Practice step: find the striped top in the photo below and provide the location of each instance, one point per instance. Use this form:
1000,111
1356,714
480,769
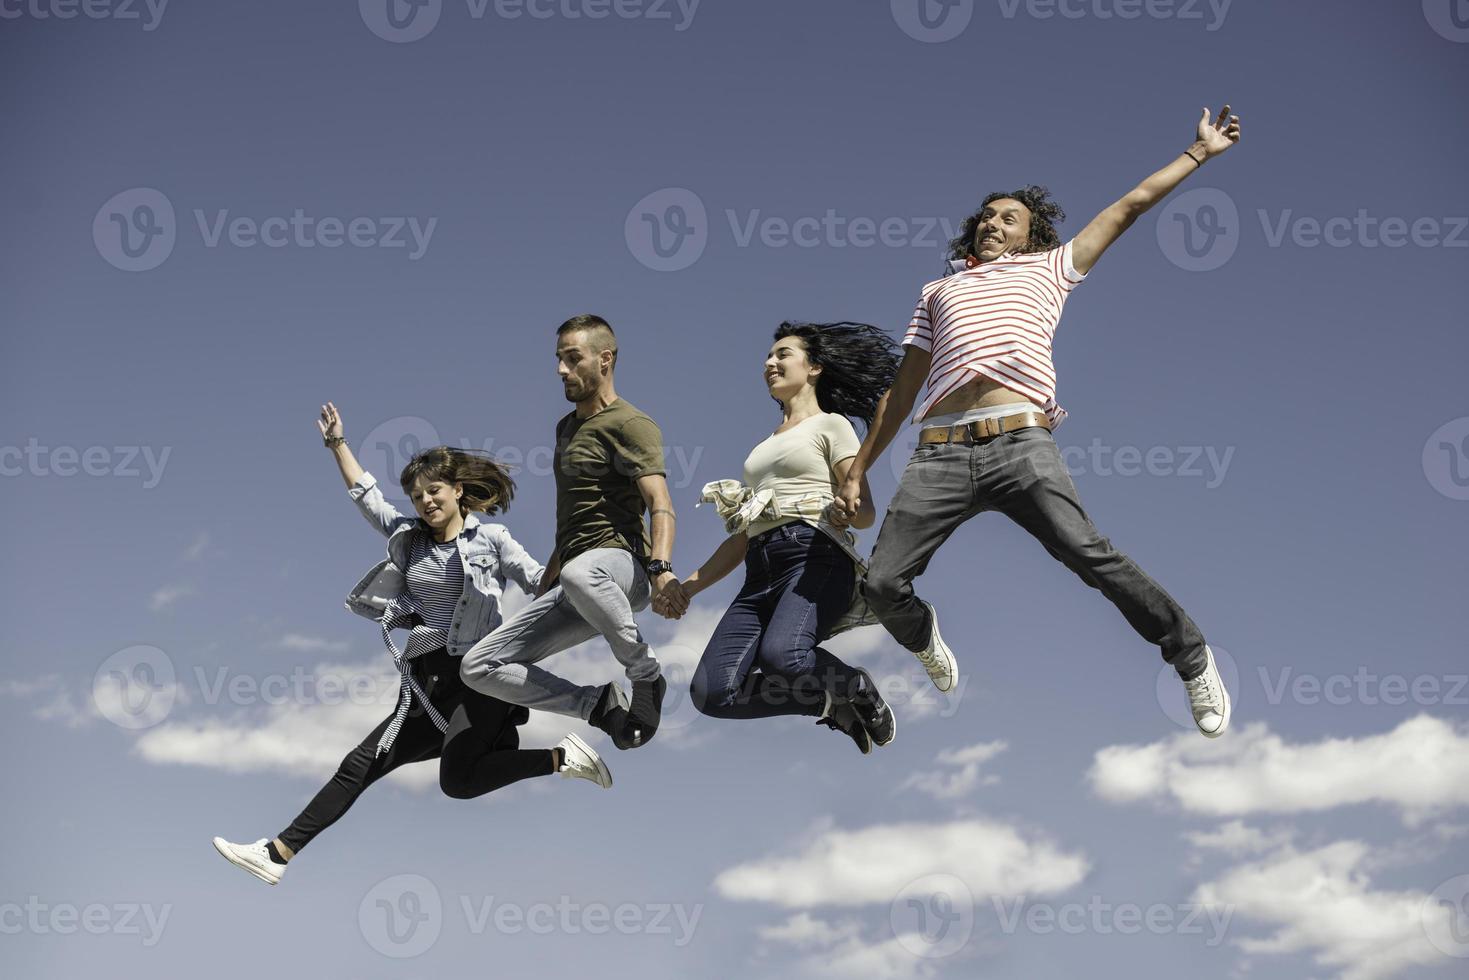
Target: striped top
995,320
435,584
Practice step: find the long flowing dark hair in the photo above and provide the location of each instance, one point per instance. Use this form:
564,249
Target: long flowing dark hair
1045,215
488,488
858,364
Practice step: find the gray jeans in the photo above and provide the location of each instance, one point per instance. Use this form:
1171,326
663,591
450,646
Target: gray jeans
598,592
1021,475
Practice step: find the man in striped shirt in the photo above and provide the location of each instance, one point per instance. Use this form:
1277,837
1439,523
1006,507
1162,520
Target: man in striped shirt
979,345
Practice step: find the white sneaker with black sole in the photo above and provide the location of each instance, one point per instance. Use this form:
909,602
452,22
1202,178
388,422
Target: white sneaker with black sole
254,858
581,761
1208,699
937,658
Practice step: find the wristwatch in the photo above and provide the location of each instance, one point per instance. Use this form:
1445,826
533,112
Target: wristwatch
657,567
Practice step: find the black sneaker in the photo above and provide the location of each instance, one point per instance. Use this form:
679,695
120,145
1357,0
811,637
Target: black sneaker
876,716
844,719
646,711
610,713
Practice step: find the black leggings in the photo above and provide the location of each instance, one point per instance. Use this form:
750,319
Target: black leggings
479,753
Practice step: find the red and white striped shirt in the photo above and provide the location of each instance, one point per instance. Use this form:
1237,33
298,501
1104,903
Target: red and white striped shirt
997,320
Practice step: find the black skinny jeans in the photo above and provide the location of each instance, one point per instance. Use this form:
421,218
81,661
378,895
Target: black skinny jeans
479,753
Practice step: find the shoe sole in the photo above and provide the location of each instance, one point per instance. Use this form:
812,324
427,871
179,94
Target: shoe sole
602,769
942,649
257,872
639,741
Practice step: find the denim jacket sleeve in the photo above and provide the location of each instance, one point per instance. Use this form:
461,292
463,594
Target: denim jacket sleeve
375,507
516,564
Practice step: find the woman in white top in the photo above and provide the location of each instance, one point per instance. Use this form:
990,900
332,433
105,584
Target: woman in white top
800,571
442,580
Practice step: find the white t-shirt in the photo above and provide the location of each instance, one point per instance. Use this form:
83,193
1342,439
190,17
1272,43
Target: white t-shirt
797,463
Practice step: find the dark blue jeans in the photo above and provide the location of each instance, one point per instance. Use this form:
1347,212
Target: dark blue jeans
797,584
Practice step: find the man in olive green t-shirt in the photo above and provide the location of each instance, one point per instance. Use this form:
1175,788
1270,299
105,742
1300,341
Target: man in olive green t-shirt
609,468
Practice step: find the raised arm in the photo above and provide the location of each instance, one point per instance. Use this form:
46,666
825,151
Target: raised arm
1213,139
892,410
361,485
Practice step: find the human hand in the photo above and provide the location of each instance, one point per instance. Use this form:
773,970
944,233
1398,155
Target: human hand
670,600
1219,135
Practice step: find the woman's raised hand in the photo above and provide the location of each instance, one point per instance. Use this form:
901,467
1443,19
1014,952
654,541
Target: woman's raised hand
330,422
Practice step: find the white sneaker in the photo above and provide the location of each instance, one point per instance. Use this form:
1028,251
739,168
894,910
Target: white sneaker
937,658
582,762
254,858
1208,699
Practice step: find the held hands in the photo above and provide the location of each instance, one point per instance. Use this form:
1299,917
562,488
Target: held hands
670,599
330,424
1219,135
843,509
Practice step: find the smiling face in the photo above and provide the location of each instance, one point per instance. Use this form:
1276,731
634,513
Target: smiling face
788,369
436,501
581,368
1004,228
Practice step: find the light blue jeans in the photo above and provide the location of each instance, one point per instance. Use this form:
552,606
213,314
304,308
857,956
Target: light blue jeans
598,592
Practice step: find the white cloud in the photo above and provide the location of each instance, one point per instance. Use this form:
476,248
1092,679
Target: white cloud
311,644
870,866
1236,839
1421,767
839,949
961,777
167,595
197,547
1321,902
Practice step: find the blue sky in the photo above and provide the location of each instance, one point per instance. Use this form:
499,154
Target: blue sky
1265,381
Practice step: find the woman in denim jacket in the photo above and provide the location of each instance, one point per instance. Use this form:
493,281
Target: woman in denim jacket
443,579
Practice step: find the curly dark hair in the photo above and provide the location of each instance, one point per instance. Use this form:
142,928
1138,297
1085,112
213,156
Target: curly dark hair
1045,215
487,485
858,364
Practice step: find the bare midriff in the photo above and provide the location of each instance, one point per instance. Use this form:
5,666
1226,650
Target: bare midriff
977,392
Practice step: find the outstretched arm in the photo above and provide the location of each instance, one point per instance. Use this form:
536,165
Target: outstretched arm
1213,139
365,494
892,410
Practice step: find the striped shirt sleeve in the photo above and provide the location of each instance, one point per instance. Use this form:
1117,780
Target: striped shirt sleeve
920,328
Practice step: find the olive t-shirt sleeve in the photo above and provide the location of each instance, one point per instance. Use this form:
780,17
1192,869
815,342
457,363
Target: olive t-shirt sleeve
639,443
